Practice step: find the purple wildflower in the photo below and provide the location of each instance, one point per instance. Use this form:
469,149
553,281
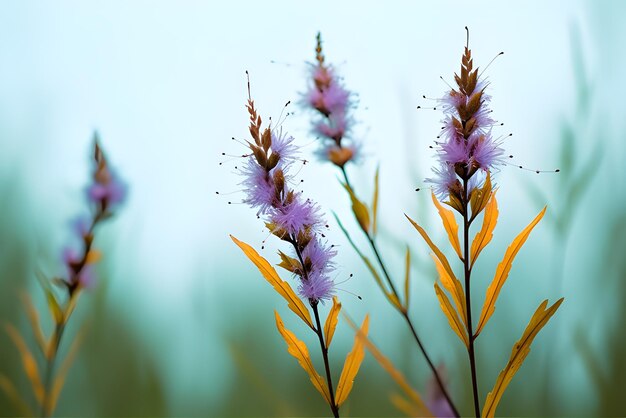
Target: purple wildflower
79,273
435,398
288,215
467,146
331,101
107,190
296,215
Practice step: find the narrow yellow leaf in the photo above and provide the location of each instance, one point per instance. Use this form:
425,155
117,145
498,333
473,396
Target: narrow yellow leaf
281,286
404,405
407,278
454,287
518,355
331,321
35,323
484,236
502,272
55,308
393,299
352,365
450,225
298,349
395,374
359,209
11,391
93,257
61,375
453,318
480,197
375,203
433,247
28,362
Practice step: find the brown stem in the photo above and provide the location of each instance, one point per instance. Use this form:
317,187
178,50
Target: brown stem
468,302
405,314
320,333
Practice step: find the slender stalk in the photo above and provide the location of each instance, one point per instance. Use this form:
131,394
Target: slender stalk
468,302
320,334
46,407
329,379
405,314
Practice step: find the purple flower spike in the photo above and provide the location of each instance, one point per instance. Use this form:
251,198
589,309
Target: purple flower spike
467,147
287,214
107,190
331,102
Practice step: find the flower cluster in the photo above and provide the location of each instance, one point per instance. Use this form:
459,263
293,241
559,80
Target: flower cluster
106,193
467,146
327,96
287,213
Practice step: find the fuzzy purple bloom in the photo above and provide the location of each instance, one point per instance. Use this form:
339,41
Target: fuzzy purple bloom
466,146
85,276
258,187
318,284
287,214
445,178
296,215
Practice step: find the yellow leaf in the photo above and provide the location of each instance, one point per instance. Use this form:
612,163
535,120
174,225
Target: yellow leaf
454,287
404,405
33,317
518,355
59,380
407,278
484,236
55,308
449,223
28,362
281,286
502,272
393,299
289,263
352,365
375,203
359,209
433,247
395,374
480,197
453,318
93,256
11,391
298,349
331,321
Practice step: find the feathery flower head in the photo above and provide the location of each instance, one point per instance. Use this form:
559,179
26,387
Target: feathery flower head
331,101
467,144
287,214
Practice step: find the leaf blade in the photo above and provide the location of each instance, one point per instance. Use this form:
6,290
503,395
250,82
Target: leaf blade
393,372
351,365
450,225
298,349
485,235
331,321
502,272
282,287
433,247
28,362
375,203
453,318
518,354
454,287
407,278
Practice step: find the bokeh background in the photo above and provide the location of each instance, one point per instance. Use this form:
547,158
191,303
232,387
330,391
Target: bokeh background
180,324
